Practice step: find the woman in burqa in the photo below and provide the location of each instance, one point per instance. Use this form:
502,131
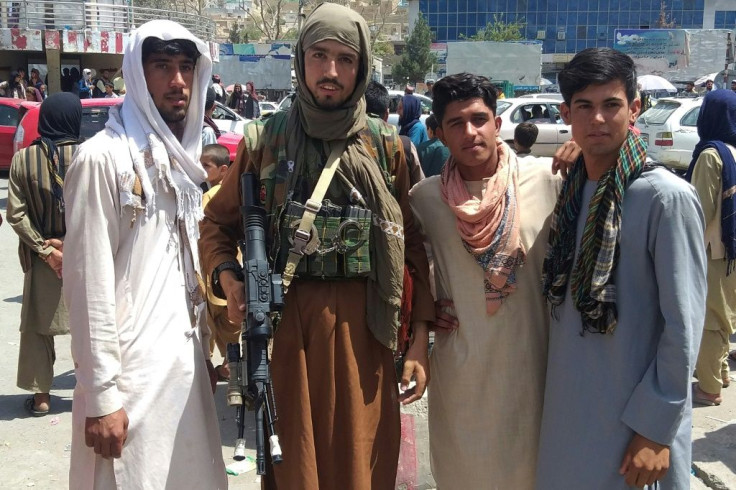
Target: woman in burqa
410,109
36,213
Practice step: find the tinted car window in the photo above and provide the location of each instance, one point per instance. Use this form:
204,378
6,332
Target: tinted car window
691,118
659,113
220,113
8,116
93,120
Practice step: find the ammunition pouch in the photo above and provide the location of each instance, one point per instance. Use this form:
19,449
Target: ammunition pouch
338,245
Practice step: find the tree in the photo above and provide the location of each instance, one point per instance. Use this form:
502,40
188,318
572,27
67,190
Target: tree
243,34
266,15
499,30
665,21
417,59
382,49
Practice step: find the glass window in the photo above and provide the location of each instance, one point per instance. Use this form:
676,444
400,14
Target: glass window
8,116
691,118
501,106
93,120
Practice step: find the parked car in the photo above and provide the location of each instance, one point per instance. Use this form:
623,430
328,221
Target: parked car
9,109
396,95
546,95
670,130
545,113
268,108
94,116
228,120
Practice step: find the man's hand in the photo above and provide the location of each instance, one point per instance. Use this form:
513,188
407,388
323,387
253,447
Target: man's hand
107,434
644,462
416,365
443,320
54,242
235,294
213,375
54,260
565,157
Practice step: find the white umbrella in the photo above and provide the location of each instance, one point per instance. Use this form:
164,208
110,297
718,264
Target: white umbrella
712,76
545,81
651,83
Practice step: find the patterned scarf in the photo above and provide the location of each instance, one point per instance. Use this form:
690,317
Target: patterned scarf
591,278
489,227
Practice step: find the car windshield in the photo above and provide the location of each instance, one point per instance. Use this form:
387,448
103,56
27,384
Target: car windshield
93,120
660,112
501,106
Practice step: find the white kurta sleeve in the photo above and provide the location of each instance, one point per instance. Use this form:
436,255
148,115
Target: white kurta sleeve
92,223
656,406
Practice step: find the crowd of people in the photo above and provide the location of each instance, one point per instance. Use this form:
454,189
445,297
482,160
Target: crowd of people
567,322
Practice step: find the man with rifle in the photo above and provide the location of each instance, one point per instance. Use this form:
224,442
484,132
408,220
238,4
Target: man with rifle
332,367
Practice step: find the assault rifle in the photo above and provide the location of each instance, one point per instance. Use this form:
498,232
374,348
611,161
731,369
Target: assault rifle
250,377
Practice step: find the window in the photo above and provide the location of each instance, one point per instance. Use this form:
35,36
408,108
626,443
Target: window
691,118
93,120
8,116
659,113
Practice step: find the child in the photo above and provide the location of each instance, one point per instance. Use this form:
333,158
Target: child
525,135
215,160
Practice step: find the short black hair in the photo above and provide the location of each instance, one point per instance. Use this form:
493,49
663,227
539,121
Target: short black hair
209,99
109,84
459,87
154,45
376,99
597,66
526,134
219,154
432,123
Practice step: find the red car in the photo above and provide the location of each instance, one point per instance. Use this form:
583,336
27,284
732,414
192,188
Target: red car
94,116
9,117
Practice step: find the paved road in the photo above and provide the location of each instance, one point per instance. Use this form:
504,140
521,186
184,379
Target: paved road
35,451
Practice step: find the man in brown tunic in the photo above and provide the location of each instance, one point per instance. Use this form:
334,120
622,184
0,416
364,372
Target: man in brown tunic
332,367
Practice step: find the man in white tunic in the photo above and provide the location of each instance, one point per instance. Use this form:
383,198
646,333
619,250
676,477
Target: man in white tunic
143,412
625,275
486,218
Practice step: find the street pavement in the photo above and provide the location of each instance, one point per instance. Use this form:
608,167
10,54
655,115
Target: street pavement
35,451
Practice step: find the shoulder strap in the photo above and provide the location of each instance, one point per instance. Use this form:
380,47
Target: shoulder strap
311,208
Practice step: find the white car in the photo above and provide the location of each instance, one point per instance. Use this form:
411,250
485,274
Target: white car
544,113
548,96
268,107
227,120
670,131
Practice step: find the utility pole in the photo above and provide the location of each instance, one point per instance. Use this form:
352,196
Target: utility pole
299,15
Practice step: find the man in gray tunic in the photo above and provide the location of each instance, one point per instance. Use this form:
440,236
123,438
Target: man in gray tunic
625,275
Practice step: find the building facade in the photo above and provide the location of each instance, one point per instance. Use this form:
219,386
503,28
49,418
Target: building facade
567,27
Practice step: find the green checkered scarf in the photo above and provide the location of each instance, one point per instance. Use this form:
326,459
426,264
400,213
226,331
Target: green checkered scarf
591,275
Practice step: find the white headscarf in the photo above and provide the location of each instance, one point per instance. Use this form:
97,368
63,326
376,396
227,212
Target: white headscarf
139,125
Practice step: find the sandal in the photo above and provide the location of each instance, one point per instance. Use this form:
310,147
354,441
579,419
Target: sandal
702,398
30,406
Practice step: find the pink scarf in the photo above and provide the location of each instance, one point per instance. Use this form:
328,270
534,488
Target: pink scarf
489,228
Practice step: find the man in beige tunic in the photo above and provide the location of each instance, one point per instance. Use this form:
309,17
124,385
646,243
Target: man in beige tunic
486,218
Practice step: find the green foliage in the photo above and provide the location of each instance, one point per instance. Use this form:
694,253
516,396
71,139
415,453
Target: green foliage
383,48
417,59
243,34
499,30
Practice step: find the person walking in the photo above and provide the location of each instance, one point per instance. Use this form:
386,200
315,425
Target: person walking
334,378
36,214
712,172
143,414
410,110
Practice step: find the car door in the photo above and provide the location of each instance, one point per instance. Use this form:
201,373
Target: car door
686,137
538,113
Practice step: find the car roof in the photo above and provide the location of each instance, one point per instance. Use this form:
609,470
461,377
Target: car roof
11,102
528,100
